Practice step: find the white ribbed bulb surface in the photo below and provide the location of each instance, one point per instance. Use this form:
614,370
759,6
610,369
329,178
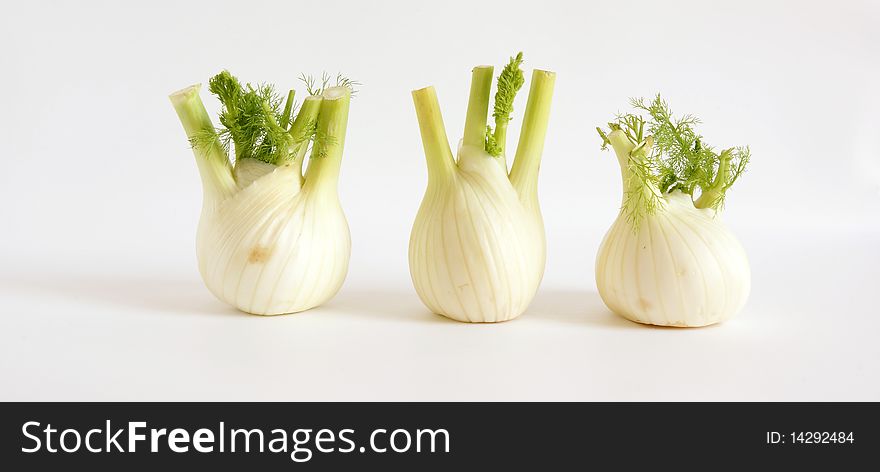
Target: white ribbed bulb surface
273,248
682,268
477,249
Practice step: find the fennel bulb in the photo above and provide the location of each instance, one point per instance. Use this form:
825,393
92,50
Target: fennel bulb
668,259
270,239
477,248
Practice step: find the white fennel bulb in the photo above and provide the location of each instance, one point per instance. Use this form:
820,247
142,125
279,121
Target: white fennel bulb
270,239
681,267
668,259
477,247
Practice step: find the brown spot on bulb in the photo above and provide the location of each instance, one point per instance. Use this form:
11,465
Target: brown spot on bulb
259,254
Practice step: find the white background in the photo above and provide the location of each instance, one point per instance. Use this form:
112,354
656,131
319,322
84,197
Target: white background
100,298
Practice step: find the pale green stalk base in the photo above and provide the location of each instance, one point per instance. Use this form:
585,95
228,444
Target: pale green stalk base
288,109
622,148
527,163
478,110
478,106
434,139
214,167
711,195
307,116
640,196
326,158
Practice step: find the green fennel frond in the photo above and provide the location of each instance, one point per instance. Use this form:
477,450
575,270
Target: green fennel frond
312,138
604,136
685,162
492,146
677,158
321,141
313,87
510,81
343,81
308,132
251,118
256,121
640,195
740,157
316,87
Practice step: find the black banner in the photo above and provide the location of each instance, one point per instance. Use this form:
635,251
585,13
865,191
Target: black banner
394,436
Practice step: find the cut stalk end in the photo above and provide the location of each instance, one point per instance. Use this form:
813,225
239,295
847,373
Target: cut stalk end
336,93
213,163
433,131
190,109
185,92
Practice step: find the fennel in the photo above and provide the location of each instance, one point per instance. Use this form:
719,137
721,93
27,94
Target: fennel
271,238
668,259
477,248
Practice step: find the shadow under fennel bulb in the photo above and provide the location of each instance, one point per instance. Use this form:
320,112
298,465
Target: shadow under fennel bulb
668,259
477,247
270,239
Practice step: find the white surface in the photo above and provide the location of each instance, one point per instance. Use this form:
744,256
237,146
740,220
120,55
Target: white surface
99,294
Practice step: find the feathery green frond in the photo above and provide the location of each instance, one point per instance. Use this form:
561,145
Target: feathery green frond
640,182
492,146
321,141
257,122
510,81
316,87
343,81
640,196
679,158
312,87
289,109
251,119
604,136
